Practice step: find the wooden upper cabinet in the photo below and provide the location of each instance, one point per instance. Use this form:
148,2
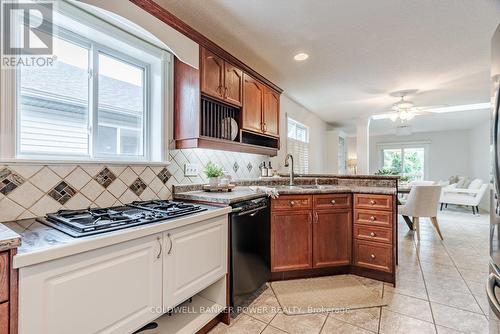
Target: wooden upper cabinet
271,112
253,103
332,238
233,82
212,74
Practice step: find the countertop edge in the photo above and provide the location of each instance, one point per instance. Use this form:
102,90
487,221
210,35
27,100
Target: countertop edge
8,238
82,245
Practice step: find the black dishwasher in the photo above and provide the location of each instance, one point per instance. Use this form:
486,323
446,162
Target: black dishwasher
250,248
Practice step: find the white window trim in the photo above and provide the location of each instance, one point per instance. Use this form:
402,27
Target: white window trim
401,145
291,140
8,106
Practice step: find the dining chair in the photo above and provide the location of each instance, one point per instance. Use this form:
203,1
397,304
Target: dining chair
422,201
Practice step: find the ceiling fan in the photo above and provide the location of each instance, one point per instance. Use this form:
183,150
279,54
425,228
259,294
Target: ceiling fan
405,110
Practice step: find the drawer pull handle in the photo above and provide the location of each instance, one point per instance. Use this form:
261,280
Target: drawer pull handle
372,218
372,256
372,202
372,234
292,203
333,201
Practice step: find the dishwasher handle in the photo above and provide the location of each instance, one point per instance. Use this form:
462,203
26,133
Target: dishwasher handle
493,281
251,212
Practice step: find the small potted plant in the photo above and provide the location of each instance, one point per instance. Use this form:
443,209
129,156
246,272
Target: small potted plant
213,173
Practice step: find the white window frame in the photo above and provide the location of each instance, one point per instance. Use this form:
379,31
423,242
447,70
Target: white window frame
401,146
9,89
300,169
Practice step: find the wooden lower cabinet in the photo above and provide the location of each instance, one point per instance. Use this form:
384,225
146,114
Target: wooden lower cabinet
333,233
291,240
332,238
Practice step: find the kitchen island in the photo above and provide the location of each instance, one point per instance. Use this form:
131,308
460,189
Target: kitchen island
323,225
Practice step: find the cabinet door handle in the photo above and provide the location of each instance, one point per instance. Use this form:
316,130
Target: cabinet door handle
265,127
372,234
372,218
316,217
161,247
333,202
292,203
373,256
225,91
171,244
372,202
310,218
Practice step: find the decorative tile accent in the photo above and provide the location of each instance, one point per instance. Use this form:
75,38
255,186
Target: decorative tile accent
236,166
105,177
164,175
9,181
62,192
138,186
35,190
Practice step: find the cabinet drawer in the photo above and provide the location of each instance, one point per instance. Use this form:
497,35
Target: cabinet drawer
375,202
4,276
380,234
372,217
373,255
292,202
332,201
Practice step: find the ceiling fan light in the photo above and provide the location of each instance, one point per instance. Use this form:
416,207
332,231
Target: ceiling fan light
405,105
403,114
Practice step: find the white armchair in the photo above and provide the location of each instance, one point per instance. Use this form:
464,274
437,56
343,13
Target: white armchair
470,196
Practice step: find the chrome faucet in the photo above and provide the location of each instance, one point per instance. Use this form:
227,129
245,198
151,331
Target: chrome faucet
289,157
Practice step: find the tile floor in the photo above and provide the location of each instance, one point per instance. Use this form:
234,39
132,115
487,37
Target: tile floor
440,288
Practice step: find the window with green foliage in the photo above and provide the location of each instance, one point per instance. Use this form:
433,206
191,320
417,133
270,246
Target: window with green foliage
409,162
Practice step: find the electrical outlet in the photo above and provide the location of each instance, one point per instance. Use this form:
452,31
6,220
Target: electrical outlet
190,169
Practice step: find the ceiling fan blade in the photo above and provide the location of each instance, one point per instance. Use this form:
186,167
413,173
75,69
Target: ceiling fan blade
383,116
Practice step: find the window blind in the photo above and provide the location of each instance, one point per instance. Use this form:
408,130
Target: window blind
300,152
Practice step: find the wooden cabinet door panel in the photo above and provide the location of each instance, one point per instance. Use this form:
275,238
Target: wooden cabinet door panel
271,112
4,277
253,100
212,74
332,238
4,318
233,80
291,240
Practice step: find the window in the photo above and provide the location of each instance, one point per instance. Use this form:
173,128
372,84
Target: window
99,101
298,145
407,160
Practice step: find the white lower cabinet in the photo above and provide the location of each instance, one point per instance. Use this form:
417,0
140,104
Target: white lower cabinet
108,290
195,256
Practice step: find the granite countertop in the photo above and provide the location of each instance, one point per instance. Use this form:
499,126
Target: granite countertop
40,243
240,194
8,238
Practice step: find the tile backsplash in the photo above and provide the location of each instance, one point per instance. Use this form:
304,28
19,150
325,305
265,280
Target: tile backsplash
29,190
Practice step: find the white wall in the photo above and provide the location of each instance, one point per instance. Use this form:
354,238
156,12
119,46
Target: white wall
457,152
449,152
480,157
317,134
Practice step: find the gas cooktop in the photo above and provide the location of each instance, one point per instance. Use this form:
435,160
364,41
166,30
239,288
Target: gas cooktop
80,223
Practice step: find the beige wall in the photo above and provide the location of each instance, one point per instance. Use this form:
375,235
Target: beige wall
317,134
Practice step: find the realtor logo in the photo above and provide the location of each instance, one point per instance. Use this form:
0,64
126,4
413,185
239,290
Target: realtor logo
27,28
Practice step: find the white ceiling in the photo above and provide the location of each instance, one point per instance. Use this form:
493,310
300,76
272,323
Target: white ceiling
428,123
360,50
